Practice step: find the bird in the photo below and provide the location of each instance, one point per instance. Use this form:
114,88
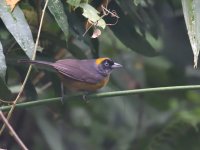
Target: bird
86,75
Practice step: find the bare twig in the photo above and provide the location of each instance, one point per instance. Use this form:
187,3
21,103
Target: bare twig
92,24
106,12
7,102
29,69
13,133
113,13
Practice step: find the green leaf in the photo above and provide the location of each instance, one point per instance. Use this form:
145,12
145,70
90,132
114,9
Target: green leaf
77,30
170,138
137,2
92,14
56,8
4,91
17,25
191,117
191,11
124,30
74,3
3,63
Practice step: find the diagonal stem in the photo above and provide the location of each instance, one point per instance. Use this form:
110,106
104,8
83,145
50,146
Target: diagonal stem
29,69
14,134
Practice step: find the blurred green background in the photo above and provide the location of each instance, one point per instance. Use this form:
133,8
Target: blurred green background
150,40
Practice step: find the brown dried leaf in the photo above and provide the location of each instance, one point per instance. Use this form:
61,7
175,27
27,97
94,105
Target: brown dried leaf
12,3
96,33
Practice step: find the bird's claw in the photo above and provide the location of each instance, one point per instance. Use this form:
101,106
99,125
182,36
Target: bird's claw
85,97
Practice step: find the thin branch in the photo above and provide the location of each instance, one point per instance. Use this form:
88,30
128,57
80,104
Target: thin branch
29,69
8,102
92,24
102,95
106,12
13,133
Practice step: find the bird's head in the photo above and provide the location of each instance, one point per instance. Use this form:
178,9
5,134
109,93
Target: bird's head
105,65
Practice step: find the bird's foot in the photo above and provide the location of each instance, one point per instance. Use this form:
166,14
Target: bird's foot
85,94
62,93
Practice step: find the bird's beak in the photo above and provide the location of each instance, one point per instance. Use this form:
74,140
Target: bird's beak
116,65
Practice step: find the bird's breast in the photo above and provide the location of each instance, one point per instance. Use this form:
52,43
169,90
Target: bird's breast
75,85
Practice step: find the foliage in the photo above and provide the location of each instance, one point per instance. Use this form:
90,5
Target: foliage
191,14
149,37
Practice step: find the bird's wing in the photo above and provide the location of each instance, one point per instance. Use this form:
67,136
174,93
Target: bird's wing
77,70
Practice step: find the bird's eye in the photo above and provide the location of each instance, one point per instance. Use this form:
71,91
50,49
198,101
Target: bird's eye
106,64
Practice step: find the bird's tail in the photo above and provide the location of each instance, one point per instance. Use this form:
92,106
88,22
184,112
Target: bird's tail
37,62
